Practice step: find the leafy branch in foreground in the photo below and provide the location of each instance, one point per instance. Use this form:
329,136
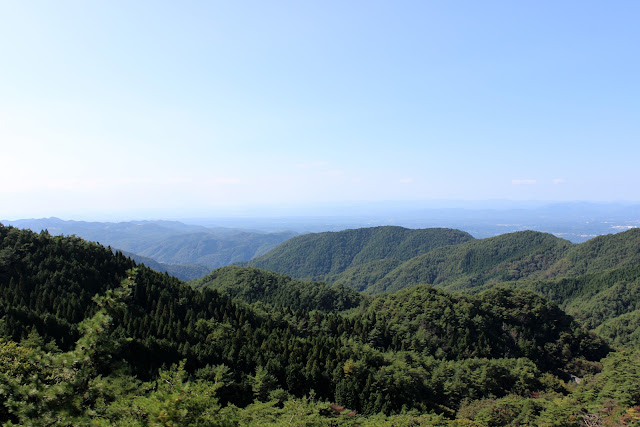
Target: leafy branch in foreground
38,387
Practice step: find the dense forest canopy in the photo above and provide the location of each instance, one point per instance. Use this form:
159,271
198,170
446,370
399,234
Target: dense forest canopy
89,336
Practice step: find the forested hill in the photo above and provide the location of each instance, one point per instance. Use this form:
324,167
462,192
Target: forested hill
524,255
422,350
322,256
510,256
252,285
513,257
599,254
168,242
607,301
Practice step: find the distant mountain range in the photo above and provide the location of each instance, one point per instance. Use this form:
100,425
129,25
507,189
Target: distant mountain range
181,271
186,251
575,221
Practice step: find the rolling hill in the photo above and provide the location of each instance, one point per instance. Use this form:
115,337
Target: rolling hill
511,256
323,256
514,257
451,260
252,285
167,242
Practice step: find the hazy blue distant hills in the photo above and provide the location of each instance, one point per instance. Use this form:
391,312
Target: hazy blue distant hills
167,242
575,221
184,272
324,256
211,250
131,236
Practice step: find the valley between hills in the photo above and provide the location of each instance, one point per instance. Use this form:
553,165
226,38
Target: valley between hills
369,326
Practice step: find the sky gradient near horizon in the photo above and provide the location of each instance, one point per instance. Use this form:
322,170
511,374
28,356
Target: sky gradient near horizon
114,106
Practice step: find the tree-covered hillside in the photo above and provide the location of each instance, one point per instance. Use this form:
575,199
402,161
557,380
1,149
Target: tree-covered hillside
422,350
599,254
355,258
323,256
607,301
506,257
252,285
168,242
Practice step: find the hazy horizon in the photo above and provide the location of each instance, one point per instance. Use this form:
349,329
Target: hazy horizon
575,221
318,210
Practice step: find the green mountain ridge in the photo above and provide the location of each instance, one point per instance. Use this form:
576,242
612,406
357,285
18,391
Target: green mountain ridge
599,254
168,242
506,257
323,256
524,255
252,285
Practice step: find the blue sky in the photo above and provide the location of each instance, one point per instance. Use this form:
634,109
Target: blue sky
141,108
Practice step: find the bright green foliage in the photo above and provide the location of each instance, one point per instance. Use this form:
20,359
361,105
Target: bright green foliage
171,401
618,384
506,411
262,383
623,330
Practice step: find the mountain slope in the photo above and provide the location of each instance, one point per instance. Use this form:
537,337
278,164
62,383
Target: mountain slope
184,272
418,356
506,257
519,256
252,285
599,254
607,302
322,256
489,324
211,250
168,242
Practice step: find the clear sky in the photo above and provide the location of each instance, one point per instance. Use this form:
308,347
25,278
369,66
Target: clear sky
144,107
